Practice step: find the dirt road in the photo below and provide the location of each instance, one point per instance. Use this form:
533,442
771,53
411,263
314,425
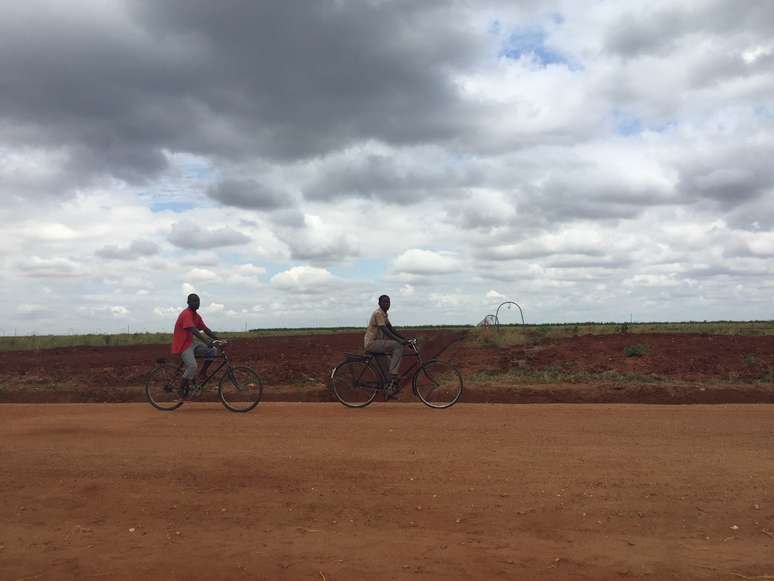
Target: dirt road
395,491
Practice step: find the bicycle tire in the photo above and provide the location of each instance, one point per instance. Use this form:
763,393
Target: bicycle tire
438,384
355,383
161,387
240,389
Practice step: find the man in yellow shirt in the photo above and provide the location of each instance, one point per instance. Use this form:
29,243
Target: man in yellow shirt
381,337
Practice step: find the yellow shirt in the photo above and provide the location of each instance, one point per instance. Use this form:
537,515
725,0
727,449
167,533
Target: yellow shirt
378,319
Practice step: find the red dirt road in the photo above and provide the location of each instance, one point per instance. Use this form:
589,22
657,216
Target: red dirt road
320,492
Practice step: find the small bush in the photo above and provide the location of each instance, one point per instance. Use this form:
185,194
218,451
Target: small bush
634,351
749,360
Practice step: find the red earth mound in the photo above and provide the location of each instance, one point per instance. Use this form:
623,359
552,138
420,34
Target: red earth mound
592,368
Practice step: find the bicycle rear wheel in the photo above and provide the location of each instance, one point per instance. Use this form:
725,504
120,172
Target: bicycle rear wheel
438,384
240,389
354,383
161,387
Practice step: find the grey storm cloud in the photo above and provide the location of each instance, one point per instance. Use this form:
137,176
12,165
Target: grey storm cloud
655,31
249,194
730,174
137,249
188,235
119,85
383,177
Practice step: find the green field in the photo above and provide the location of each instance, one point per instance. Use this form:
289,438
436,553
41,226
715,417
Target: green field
504,336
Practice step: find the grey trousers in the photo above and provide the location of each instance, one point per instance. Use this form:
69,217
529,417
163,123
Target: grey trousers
189,357
388,347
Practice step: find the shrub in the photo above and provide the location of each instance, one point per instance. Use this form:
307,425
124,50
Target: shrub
634,351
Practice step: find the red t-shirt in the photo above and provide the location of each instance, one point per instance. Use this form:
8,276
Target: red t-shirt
182,339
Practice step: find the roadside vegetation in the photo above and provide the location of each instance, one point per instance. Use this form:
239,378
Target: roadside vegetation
512,335
19,343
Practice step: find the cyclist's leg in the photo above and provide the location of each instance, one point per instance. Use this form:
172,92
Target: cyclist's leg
395,351
206,353
189,360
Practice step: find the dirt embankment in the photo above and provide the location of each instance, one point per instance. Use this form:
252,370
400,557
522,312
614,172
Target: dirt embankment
667,368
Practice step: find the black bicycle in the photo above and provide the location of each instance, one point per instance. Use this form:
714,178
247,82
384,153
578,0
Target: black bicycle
239,387
356,380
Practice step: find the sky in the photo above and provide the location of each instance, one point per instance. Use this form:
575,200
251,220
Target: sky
291,161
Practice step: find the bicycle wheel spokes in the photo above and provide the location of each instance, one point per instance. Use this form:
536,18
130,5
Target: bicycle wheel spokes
161,388
438,384
240,389
354,383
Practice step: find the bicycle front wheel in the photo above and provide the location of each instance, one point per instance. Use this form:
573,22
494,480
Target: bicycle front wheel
438,384
240,389
354,383
162,387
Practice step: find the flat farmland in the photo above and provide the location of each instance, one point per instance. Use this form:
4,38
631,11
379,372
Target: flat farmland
395,491
667,368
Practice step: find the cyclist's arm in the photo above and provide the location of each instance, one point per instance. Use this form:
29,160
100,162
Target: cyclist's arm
389,331
210,333
201,336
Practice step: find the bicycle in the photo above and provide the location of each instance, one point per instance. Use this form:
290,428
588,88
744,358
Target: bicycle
239,387
356,380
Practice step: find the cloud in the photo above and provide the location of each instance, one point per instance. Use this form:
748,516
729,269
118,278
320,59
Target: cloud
119,311
425,262
457,147
248,193
305,280
137,249
33,311
200,275
37,267
188,235
166,312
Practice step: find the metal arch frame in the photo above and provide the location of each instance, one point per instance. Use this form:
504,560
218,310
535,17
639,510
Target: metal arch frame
488,321
497,312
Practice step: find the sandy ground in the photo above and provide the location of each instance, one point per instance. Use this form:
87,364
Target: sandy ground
395,491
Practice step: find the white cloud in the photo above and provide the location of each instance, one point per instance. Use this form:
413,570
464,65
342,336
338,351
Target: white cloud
166,312
119,311
304,279
425,262
493,295
200,275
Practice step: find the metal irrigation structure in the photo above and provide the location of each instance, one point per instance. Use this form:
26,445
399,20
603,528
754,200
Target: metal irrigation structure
508,305
488,321
494,320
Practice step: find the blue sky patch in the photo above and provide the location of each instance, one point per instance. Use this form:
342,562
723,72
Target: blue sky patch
173,206
530,42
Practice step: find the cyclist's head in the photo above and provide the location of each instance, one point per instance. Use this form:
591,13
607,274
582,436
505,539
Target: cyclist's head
193,301
384,303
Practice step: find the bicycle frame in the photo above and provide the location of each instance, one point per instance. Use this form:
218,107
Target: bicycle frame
224,363
412,370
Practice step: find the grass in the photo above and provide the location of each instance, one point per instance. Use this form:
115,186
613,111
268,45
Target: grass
555,374
634,351
513,335
127,339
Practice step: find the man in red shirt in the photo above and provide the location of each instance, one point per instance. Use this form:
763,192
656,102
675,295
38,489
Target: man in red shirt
189,325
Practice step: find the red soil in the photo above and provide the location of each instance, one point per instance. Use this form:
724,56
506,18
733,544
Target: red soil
719,368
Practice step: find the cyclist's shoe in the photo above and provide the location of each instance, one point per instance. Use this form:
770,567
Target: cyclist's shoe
183,390
392,390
